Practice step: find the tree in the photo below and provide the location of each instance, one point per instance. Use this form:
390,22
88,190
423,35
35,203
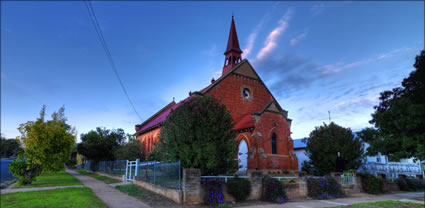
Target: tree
9,147
48,143
326,141
399,119
131,150
200,134
100,145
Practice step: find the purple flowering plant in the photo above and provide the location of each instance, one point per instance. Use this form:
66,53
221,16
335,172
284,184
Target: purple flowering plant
213,191
324,188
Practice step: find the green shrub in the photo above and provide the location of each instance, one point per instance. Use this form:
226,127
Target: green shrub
324,188
410,184
371,184
273,190
25,170
239,188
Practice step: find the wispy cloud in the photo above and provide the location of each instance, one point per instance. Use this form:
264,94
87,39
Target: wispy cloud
294,41
361,102
340,66
253,35
272,39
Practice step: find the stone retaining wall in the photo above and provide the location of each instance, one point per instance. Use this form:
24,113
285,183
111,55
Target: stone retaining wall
173,194
193,193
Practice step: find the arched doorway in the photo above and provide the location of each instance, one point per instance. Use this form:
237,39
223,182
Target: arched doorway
243,155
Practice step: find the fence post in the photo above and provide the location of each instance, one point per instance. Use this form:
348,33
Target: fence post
180,174
126,170
154,171
137,168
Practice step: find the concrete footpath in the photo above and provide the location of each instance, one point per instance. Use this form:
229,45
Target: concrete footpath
113,198
352,199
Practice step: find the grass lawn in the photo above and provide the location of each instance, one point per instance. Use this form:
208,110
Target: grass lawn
57,198
385,204
99,177
60,178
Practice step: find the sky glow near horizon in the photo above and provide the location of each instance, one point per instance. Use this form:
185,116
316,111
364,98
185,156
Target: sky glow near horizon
315,57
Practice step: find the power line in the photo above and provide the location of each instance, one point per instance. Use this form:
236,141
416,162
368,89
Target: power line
107,52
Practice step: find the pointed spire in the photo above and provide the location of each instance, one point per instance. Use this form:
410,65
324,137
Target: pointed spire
233,51
233,42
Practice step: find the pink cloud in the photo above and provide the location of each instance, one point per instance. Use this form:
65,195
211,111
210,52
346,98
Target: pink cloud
272,39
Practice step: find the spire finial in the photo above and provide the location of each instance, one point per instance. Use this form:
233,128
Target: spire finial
232,14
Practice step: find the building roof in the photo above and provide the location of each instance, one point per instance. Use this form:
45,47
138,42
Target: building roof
244,123
159,117
299,144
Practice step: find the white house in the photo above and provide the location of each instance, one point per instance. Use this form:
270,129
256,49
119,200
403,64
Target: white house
378,165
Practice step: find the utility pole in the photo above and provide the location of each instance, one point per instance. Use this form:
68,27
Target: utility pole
329,113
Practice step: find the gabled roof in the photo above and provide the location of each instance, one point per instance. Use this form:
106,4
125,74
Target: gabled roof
254,76
155,120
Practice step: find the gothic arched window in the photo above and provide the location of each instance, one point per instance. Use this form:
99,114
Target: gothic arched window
274,146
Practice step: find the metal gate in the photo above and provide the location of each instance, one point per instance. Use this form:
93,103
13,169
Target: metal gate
132,166
348,179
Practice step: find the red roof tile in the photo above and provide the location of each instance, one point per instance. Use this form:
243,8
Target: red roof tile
244,123
160,117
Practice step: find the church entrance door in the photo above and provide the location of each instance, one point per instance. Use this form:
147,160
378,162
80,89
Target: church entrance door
243,156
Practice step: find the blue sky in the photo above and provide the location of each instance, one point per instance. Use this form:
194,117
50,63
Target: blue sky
315,57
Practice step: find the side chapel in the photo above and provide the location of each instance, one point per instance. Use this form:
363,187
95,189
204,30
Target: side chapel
262,125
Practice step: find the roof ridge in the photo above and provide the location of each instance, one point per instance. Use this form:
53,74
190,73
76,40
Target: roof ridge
223,76
157,113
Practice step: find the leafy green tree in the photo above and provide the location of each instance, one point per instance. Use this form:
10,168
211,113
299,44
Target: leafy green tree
399,118
9,147
199,133
101,144
131,150
25,170
324,144
48,143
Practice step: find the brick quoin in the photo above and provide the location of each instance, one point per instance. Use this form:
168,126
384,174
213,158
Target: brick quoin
256,118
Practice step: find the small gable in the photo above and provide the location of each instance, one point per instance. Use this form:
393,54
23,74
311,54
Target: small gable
273,107
246,70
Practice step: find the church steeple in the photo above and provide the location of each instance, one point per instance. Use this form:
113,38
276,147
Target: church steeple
233,51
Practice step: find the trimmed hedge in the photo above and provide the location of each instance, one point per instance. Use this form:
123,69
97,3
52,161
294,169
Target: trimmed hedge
239,188
273,190
324,188
371,184
411,184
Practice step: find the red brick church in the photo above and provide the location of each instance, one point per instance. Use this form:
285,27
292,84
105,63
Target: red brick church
263,126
